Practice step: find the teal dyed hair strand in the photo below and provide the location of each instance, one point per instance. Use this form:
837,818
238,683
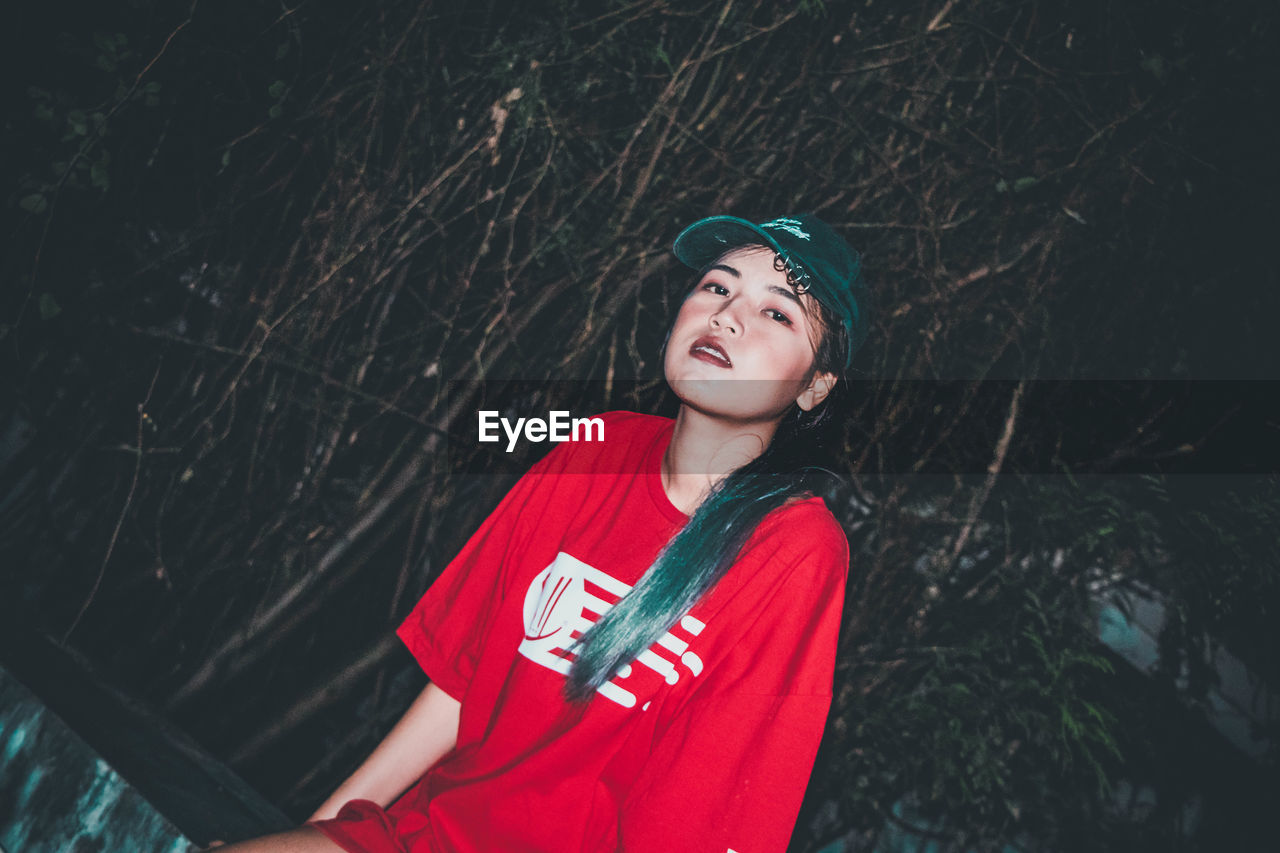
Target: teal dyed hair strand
690,565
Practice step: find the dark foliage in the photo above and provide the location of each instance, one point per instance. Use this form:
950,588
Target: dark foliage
251,249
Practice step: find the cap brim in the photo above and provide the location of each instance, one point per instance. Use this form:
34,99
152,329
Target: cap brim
707,239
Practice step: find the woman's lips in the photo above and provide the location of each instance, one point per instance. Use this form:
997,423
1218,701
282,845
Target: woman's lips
707,349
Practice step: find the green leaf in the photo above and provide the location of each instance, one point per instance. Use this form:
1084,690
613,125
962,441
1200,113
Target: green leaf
277,89
275,111
79,122
35,203
1024,184
662,56
226,158
99,176
49,307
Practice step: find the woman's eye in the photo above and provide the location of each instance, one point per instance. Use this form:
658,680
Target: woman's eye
775,314
717,289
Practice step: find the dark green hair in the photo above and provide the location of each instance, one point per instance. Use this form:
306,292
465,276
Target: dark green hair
705,548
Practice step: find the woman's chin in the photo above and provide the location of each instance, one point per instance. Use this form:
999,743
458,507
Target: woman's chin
740,401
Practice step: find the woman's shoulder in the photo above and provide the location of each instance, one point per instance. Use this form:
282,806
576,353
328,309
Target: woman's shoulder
620,430
805,525
794,565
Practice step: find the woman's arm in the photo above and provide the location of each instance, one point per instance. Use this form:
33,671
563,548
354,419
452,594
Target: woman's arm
426,732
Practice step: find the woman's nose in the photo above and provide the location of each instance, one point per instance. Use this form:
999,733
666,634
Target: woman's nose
725,320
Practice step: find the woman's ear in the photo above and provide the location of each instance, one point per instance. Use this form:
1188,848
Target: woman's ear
816,391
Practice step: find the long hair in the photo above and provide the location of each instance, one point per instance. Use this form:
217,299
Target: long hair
709,544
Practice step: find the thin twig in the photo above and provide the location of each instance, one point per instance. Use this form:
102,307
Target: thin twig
993,470
143,417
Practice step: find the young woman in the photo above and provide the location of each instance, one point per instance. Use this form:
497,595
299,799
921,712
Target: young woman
635,651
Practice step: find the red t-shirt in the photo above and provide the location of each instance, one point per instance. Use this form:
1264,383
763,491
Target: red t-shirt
704,743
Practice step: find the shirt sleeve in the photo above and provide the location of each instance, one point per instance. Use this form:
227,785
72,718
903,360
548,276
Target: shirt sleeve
447,628
728,768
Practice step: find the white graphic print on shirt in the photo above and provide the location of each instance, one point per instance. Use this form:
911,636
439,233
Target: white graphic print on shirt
566,598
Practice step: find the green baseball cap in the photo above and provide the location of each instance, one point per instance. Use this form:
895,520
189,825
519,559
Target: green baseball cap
817,260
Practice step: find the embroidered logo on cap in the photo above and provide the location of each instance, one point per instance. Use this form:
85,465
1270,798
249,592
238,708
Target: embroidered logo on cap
791,226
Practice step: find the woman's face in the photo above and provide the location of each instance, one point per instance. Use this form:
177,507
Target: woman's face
742,346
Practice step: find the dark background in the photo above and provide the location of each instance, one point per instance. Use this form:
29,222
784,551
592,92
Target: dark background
250,248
